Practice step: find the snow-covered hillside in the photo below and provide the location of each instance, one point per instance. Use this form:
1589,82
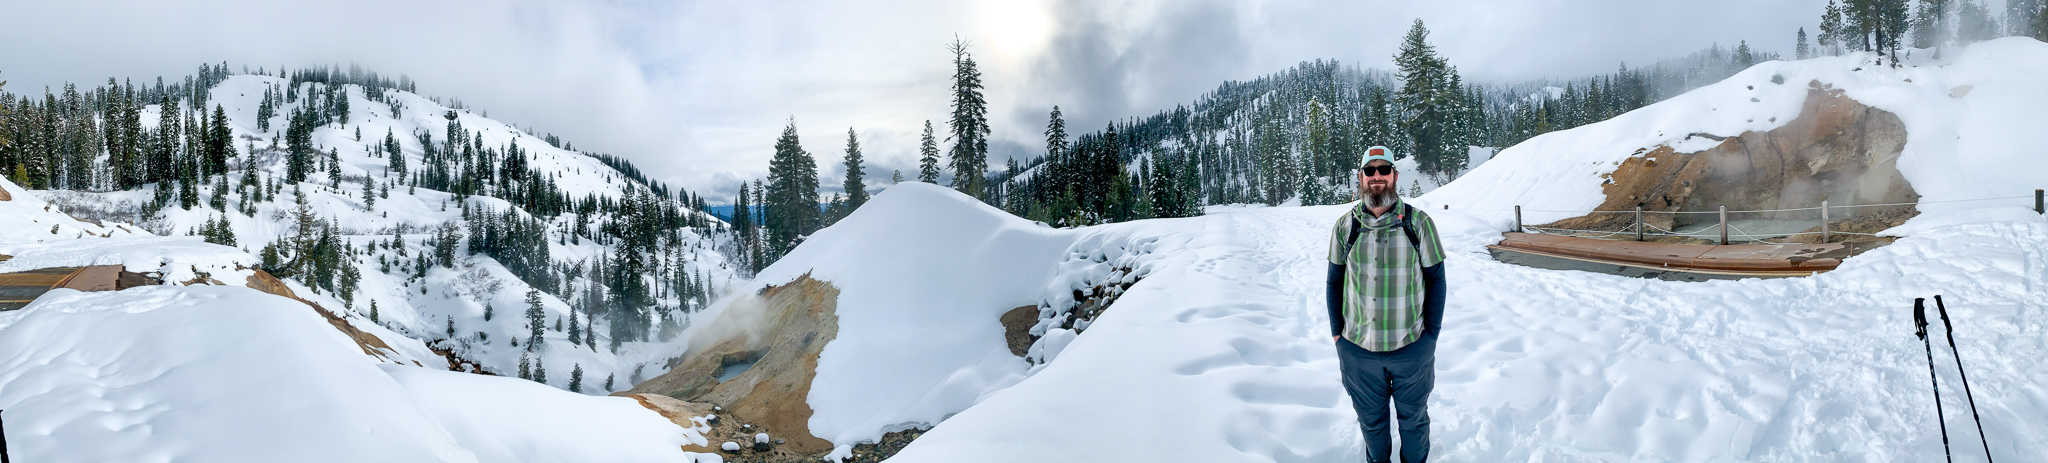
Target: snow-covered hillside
229,373
1218,352
441,305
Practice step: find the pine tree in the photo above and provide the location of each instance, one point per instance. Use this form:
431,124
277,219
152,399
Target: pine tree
856,188
392,150
1427,98
969,157
743,225
264,110
1831,28
535,320
525,363
792,198
1743,58
540,367
369,194
1800,48
575,328
576,378
608,382
298,147
220,144
373,311
928,157
1930,24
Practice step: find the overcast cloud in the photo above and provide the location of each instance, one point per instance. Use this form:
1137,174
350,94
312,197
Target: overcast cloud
695,93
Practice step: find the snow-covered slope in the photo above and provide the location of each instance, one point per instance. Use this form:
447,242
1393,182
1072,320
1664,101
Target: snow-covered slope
425,308
1220,352
228,373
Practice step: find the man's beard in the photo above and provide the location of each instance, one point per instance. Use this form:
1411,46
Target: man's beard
1386,197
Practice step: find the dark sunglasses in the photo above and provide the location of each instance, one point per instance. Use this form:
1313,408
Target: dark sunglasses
1378,170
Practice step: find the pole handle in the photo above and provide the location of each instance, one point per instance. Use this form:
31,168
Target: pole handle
1920,317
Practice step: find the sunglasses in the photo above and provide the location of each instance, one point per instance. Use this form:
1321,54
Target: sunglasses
1377,170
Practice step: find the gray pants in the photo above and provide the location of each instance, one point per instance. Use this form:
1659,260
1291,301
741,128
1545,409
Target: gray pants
1405,376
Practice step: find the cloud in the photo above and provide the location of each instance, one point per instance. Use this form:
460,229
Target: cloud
695,93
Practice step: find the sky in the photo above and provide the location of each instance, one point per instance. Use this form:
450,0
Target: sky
695,93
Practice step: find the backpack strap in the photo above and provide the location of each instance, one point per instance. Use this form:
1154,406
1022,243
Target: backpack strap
1408,228
1400,219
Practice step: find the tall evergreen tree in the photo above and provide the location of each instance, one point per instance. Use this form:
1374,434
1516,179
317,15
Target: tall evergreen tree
1800,48
856,188
393,151
969,157
1831,28
792,193
220,143
535,321
1428,101
928,156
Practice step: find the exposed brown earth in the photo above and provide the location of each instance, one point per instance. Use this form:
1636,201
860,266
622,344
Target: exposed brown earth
1017,328
798,319
1837,149
371,345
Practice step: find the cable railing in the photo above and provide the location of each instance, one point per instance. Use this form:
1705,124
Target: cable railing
1723,231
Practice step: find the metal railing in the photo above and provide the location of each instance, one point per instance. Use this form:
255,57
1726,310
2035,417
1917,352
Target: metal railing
1642,230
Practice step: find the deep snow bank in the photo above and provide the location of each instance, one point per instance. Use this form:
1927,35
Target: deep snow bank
210,373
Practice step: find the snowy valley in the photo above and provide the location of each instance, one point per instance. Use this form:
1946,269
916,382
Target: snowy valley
928,326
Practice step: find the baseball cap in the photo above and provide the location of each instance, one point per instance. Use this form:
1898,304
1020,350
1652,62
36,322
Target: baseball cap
1376,152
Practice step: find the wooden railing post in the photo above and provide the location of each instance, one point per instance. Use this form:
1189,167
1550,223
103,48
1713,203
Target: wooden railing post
2039,207
1724,224
1823,221
1518,218
1639,223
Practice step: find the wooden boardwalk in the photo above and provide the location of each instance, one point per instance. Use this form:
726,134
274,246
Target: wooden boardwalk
1672,261
18,289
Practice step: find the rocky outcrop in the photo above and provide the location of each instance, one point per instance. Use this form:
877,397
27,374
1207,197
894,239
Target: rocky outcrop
795,322
1837,149
371,345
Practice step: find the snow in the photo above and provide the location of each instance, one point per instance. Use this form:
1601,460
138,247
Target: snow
1964,148
506,419
30,219
212,373
411,312
1220,351
730,446
974,263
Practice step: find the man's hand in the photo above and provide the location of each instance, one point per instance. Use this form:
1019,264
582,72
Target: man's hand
1336,337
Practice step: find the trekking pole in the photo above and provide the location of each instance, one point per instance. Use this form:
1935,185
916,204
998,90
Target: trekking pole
1943,308
3,439
1920,330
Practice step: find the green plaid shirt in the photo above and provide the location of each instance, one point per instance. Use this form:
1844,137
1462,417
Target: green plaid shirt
1383,288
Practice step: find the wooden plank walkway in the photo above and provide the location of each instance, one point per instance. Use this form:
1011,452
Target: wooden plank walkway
18,289
1688,262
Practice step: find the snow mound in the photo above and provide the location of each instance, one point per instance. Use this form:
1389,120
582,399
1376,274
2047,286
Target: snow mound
924,274
207,373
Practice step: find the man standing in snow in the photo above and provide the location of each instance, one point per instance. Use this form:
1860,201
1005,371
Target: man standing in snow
1386,302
